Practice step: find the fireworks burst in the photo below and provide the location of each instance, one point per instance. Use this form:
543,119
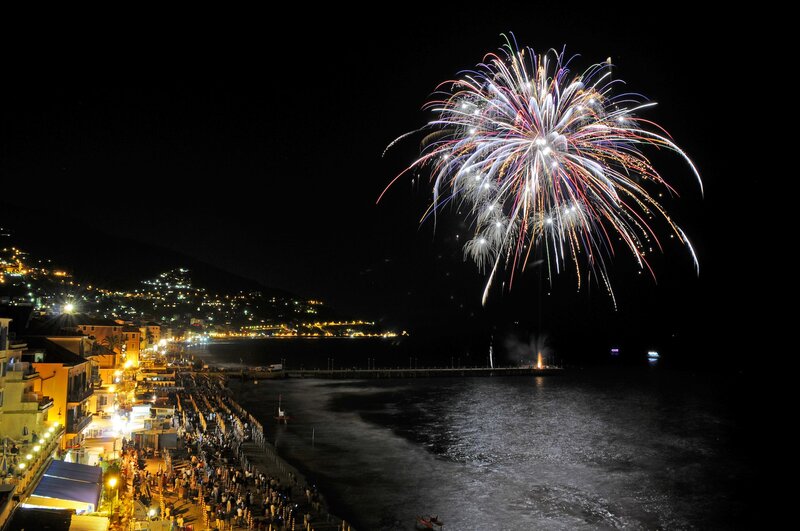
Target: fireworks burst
547,164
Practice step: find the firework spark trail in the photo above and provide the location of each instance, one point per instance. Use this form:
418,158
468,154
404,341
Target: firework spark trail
546,163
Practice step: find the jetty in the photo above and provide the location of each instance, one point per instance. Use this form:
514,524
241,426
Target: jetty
419,373
386,372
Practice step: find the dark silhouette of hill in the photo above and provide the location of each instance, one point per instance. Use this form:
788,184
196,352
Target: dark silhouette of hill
108,260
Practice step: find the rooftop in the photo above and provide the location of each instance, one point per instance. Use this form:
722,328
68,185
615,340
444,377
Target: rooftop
54,353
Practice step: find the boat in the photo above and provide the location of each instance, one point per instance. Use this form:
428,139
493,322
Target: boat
281,416
429,522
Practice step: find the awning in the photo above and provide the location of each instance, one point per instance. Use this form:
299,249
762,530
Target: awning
42,519
75,471
71,484
37,502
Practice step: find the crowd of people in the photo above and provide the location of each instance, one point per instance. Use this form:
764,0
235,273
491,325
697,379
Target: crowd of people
214,471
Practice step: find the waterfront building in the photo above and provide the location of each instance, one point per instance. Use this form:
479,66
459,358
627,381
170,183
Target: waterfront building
105,332
23,407
132,339
150,334
67,378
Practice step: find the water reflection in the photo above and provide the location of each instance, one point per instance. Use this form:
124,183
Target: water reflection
499,453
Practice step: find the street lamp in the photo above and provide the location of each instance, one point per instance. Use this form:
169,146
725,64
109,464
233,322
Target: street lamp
112,482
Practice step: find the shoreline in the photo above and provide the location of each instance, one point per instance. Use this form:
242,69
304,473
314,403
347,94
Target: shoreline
332,502
256,453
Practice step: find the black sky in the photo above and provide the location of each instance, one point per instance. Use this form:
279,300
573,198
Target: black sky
255,144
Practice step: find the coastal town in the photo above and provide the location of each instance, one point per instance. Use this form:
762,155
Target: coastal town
106,424
184,309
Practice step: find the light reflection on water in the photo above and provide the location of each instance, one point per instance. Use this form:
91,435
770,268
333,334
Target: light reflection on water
562,452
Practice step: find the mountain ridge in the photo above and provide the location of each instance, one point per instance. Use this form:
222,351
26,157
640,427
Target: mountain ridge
109,260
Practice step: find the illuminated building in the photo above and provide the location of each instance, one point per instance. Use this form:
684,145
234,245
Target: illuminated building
23,410
132,338
104,331
67,378
150,333
23,407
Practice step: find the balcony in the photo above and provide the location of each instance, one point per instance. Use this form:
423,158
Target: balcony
76,396
75,426
42,402
21,370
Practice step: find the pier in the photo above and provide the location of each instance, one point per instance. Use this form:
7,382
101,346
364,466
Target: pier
418,373
386,372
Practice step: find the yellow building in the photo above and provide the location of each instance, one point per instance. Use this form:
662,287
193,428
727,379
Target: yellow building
150,334
23,407
132,338
100,329
67,378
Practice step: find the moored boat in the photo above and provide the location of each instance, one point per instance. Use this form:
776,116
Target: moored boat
429,522
281,416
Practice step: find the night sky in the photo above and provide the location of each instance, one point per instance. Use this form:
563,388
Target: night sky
256,146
